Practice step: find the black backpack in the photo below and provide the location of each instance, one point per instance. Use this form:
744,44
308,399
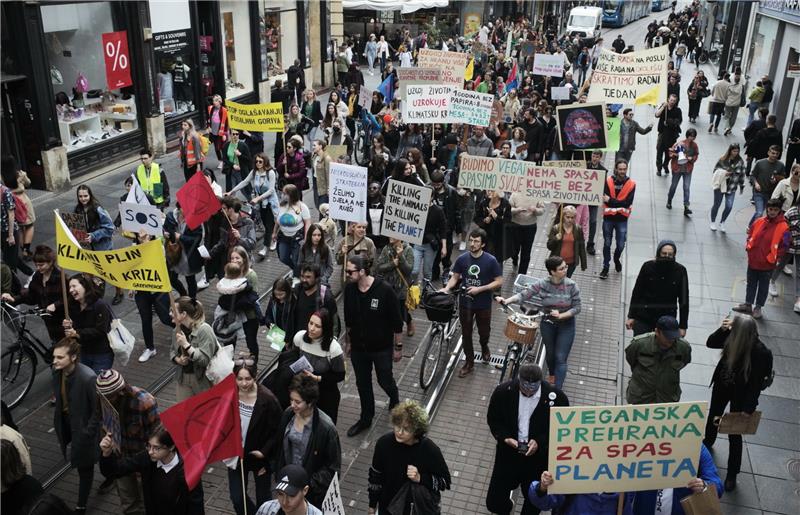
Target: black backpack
767,380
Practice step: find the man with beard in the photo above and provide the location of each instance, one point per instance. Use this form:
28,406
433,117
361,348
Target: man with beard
661,284
311,296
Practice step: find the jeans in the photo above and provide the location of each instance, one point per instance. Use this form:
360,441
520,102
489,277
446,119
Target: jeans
424,255
98,362
687,182
483,319
383,62
720,397
592,225
370,62
760,201
757,286
522,237
621,229
363,361
558,338
232,178
268,220
146,301
715,119
288,250
752,107
729,197
678,62
263,493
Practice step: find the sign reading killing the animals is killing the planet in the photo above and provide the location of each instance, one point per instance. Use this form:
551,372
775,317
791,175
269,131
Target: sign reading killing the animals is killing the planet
582,126
543,183
625,448
406,211
633,78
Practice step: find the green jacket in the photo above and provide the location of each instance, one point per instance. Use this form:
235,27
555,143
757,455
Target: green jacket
655,374
204,341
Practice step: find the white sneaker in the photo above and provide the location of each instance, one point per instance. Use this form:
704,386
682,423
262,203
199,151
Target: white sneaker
722,227
462,245
147,354
263,252
773,289
202,284
787,270
797,307
273,245
713,226
219,166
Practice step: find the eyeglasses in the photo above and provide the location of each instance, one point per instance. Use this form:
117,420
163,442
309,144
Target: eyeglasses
154,448
259,160
404,430
249,362
351,272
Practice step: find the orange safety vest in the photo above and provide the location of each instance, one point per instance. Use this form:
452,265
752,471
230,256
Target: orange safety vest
223,120
777,236
623,194
193,156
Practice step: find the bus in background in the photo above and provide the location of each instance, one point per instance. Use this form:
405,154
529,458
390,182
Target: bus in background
617,13
659,5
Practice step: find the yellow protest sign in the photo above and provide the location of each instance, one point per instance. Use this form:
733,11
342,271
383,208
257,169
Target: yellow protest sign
255,117
625,448
141,267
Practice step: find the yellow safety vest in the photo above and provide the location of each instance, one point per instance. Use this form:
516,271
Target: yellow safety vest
151,185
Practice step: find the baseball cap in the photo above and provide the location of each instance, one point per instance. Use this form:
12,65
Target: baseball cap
668,327
292,479
109,381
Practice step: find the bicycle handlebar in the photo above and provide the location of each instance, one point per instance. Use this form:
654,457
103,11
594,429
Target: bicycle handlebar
41,312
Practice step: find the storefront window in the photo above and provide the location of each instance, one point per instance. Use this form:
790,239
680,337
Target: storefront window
173,47
237,57
272,62
765,31
88,111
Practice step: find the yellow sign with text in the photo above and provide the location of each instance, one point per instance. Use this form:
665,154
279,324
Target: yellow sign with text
141,267
255,117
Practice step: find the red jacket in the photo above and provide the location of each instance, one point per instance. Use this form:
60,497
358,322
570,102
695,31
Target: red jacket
767,242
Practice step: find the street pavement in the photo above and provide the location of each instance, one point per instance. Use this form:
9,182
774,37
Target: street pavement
716,264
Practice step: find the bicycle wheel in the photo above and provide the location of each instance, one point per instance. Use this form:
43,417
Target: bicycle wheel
508,362
431,356
18,372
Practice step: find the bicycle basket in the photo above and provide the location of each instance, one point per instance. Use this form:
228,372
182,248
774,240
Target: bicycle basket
517,332
439,306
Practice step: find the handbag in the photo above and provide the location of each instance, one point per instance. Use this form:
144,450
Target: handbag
121,341
738,423
221,364
413,293
703,503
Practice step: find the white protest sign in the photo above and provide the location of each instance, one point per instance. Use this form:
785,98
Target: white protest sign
633,78
332,502
470,107
348,192
427,103
546,64
364,97
416,76
559,92
141,216
452,64
406,211
136,194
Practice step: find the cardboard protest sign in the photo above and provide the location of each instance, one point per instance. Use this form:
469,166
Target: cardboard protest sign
255,117
581,126
417,76
452,65
427,103
406,211
565,164
136,217
141,267
633,78
332,502
544,183
336,151
76,223
364,97
546,64
470,107
625,448
110,423
348,192
560,92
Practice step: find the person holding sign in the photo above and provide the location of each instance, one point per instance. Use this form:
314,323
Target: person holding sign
743,371
519,419
604,503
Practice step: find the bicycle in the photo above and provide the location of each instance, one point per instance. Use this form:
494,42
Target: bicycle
18,363
443,315
522,331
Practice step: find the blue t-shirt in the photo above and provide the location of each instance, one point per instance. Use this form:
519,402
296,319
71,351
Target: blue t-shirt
478,271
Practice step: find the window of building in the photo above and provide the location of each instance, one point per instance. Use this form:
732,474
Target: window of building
88,111
173,45
764,35
279,37
237,54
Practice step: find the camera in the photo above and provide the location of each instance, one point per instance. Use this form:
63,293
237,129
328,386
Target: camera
522,447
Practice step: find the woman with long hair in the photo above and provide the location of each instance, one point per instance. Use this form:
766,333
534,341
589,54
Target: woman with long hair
316,251
323,351
17,181
262,179
341,107
729,174
217,126
99,225
191,151
403,171
294,219
414,156
90,322
244,302
743,370
291,165
193,353
411,139
566,240
493,215
280,309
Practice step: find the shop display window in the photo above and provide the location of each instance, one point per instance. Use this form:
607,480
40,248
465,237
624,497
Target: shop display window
88,112
237,55
272,62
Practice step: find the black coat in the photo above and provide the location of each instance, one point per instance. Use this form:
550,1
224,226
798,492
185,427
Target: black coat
323,456
262,433
190,239
245,161
81,423
180,501
746,390
660,290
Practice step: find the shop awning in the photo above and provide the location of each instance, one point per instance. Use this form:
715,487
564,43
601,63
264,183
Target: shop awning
408,6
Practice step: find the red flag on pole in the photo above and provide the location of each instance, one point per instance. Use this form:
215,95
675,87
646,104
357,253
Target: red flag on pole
197,200
206,428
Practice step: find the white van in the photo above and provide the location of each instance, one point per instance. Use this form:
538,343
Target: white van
585,22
